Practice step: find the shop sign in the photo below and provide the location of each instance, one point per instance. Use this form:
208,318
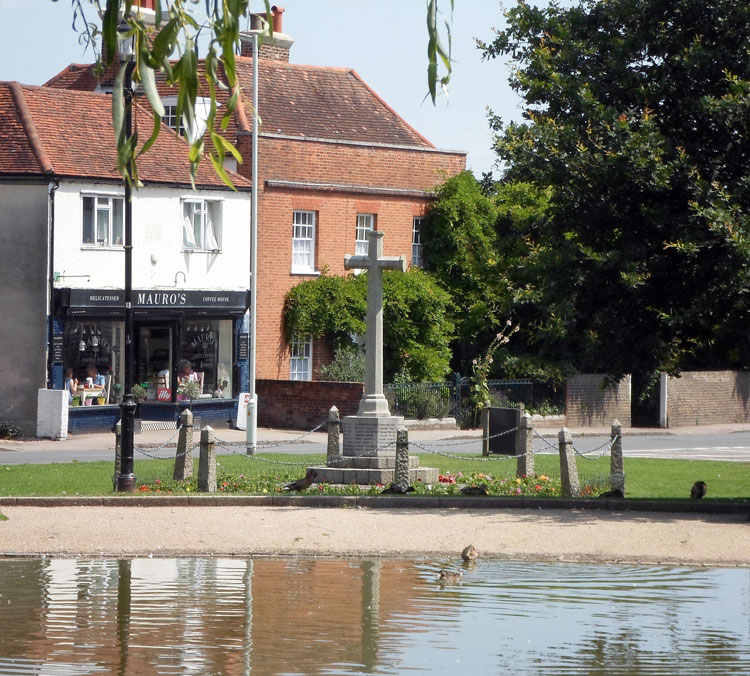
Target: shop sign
242,347
58,348
159,298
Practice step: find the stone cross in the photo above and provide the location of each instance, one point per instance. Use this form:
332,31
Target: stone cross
374,403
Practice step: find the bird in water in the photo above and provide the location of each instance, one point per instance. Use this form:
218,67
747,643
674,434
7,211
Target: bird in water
449,577
481,489
698,490
469,553
395,489
303,483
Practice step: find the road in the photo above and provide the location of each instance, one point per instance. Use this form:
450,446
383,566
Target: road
733,446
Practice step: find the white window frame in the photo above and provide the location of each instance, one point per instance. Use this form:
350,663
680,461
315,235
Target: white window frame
208,237
365,223
300,362
304,224
202,110
103,205
417,259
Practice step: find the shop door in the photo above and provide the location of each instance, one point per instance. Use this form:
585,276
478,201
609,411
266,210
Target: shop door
154,358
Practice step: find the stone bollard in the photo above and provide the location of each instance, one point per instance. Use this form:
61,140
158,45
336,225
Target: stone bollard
486,428
616,466
183,460
207,461
568,470
525,447
334,444
401,475
118,453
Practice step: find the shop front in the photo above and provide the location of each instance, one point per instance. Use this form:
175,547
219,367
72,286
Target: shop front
190,349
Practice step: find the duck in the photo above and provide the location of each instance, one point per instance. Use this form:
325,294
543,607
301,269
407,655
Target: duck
698,490
449,577
469,553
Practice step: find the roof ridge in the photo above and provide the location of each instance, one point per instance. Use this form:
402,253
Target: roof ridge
16,91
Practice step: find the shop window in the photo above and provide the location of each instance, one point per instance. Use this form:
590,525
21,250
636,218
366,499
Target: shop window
95,344
103,220
201,228
205,356
416,242
365,223
300,364
303,241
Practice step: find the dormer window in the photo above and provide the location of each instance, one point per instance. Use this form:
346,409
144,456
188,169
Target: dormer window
171,119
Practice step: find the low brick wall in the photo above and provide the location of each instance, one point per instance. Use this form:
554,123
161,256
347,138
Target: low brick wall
304,404
590,401
708,397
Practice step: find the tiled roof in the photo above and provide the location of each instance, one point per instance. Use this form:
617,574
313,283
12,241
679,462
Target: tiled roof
294,100
69,133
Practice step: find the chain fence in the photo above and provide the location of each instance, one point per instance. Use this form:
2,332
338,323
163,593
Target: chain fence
154,467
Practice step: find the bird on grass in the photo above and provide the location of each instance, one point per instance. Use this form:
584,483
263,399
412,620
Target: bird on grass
481,489
469,553
449,577
303,483
614,493
698,490
395,489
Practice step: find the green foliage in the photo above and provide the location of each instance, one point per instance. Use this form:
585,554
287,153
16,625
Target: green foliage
9,430
348,366
139,393
416,327
637,137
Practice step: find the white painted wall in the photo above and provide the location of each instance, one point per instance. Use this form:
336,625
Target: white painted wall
158,253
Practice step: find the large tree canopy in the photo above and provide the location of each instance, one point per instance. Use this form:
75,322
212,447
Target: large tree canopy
172,46
638,115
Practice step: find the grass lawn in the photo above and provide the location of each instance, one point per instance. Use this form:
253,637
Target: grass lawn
646,477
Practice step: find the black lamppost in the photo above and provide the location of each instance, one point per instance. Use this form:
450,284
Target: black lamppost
126,478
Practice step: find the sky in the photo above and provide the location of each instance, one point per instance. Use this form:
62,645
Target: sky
385,41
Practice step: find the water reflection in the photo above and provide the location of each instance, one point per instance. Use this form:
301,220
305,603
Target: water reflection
310,616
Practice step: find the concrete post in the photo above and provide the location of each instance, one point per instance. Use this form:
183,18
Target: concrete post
568,470
486,428
207,461
118,453
616,466
525,447
183,461
401,478
334,439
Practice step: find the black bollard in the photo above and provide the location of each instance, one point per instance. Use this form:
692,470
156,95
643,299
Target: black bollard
126,479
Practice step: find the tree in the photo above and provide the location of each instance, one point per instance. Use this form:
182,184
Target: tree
637,123
416,327
172,47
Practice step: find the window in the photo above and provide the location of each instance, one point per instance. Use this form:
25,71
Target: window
416,242
103,220
300,365
201,225
365,223
303,241
191,132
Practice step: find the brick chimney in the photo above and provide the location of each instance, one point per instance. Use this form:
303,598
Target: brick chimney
274,48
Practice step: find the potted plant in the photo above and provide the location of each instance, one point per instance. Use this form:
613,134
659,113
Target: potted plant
116,393
76,401
139,393
189,390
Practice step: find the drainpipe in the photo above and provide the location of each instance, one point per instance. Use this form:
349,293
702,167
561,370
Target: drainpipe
52,186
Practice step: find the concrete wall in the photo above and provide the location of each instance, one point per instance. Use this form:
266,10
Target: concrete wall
303,405
23,302
158,253
590,401
707,397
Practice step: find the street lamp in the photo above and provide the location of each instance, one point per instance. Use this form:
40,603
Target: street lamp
126,478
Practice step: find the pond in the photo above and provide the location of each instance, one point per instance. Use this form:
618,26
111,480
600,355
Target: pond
345,616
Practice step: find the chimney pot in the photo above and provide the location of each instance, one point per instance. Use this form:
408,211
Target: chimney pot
277,12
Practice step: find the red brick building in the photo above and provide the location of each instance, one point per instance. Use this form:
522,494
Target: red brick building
334,160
